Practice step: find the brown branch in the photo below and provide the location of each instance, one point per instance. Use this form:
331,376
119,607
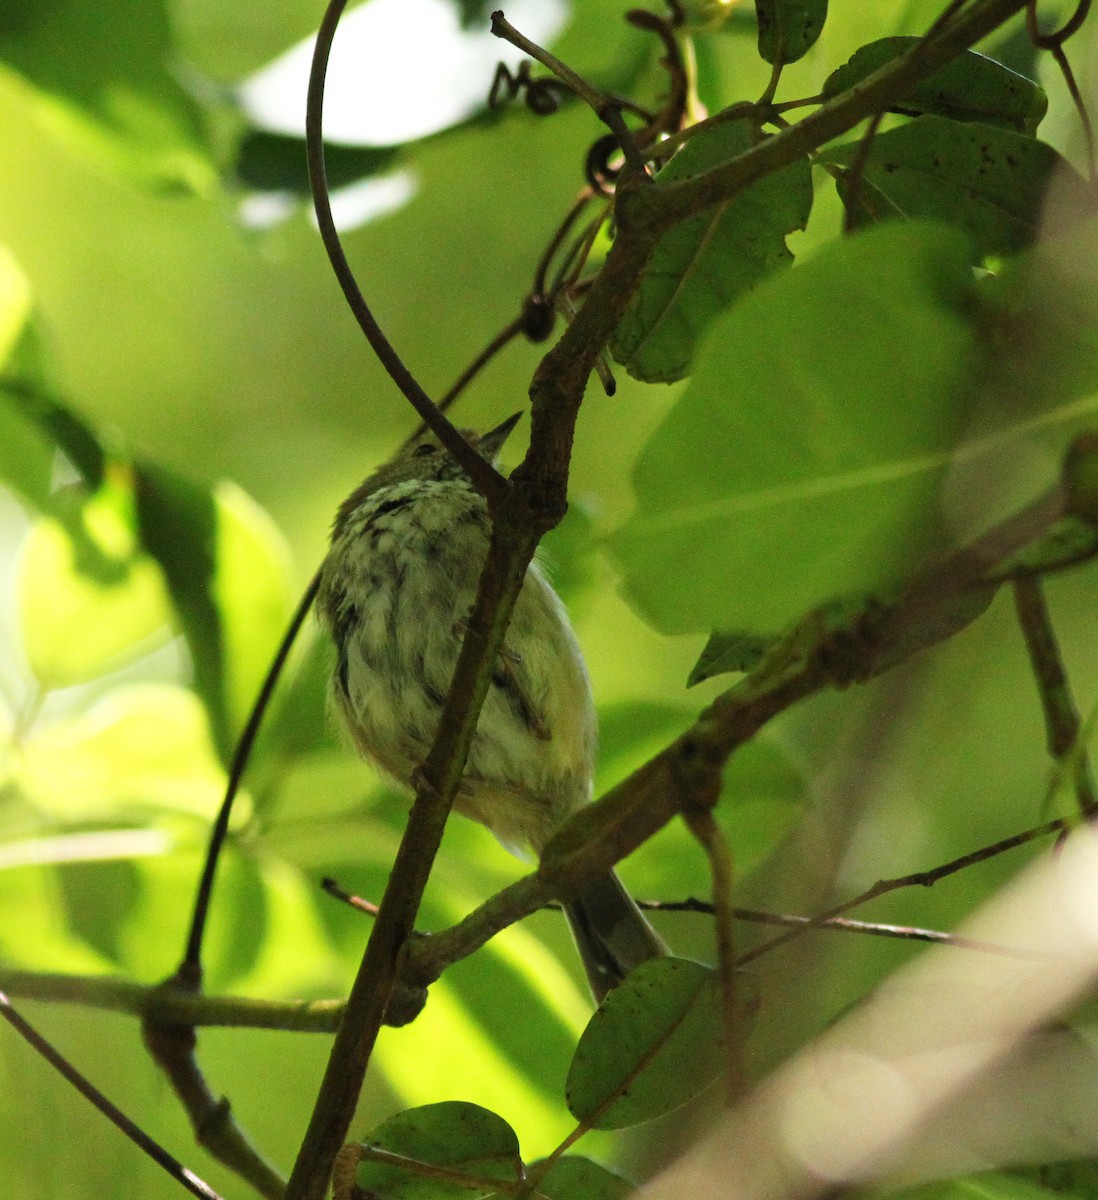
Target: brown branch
172,1048
712,840
1062,724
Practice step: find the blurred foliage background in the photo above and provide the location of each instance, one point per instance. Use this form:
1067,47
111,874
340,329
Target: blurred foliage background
190,319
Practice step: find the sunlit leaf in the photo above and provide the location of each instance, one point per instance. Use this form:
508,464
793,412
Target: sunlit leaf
15,303
706,262
252,593
37,931
972,87
118,100
78,623
142,749
652,1045
990,182
26,455
788,29
465,1139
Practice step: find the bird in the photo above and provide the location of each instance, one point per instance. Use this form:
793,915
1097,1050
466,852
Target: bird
396,589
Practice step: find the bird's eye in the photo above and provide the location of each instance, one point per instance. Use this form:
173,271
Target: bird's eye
425,449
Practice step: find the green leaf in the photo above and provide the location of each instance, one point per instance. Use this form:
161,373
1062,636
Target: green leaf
464,1140
788,29
226,571
87,606
990,182
275,162
142,749
26,454
708,261
58,422
653,1044
573,1177
115,96
15,304
972,87
725,652
253,595
804,459
177,525
991,1185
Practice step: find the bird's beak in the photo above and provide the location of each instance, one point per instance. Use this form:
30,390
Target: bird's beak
490,443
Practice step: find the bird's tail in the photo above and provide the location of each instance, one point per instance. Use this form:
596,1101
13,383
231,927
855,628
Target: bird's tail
611,933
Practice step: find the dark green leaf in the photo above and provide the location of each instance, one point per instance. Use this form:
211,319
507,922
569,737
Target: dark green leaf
970,88
275,162
725,652
461,1138
653,1044
59,423
705,263
803,460
98,897
990,182
26,454
177,525
788,29
115,94
990,1185
573,1177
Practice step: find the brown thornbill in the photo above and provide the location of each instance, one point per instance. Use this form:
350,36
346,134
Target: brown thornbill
396,590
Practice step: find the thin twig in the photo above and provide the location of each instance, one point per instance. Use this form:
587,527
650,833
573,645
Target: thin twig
607,108
917,879
855,176
167,1005
485,477
181,1174
189,973
355,902
1062,724
712,840
907,933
